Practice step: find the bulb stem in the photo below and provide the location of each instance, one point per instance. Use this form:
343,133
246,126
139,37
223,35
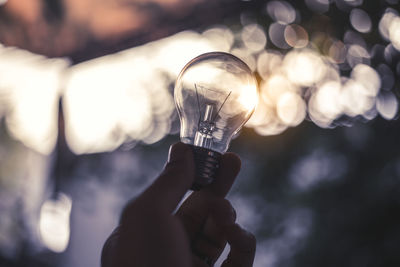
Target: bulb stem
206,164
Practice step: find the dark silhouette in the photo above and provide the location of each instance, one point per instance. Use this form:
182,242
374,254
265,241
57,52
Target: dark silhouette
150,235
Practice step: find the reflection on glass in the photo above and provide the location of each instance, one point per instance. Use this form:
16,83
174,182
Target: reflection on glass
215,95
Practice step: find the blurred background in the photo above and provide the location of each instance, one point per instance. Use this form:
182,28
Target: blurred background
87,116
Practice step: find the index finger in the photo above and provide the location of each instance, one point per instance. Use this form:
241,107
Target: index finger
169,188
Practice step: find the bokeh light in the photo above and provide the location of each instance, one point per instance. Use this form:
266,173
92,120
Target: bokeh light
296,36
54,223
276,33
386,21
387,105
394,32
253,37
281,11
30,87
360,20
125,97
304,67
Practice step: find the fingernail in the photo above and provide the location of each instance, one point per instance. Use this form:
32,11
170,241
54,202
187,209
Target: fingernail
177,152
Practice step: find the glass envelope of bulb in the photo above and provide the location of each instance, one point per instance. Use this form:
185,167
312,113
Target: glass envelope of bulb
215,94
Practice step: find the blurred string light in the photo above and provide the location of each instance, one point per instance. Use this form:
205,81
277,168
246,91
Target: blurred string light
54,222
122,97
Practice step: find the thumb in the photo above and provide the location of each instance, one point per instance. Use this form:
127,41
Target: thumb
174,181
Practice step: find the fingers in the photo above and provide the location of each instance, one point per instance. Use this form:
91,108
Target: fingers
169,188
243,247
211,241
109,249
194,211
173,182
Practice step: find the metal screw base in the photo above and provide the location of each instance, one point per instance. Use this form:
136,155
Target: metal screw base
207,163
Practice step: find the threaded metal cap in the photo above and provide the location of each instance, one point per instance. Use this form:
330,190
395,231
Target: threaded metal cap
207,164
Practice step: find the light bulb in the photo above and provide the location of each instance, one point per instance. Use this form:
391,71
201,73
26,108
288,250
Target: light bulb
215,94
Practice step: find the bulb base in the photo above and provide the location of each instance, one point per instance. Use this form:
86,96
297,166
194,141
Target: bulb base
207,164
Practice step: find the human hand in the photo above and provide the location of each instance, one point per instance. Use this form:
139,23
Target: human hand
150,235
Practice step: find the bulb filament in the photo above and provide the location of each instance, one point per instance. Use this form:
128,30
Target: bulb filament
206,126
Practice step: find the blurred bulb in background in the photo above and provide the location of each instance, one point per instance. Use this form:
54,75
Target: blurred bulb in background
215,95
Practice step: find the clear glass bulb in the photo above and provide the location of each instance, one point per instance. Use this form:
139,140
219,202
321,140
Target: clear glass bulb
215,94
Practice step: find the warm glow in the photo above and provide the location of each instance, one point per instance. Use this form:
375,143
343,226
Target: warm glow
262,115
171,54
102,105
249,97
274,87
221,38
125,96
368,77
354,99
324,105
246,56
291,109
268,63
304,67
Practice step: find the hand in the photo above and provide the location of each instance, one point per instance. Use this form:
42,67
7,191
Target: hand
150,235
